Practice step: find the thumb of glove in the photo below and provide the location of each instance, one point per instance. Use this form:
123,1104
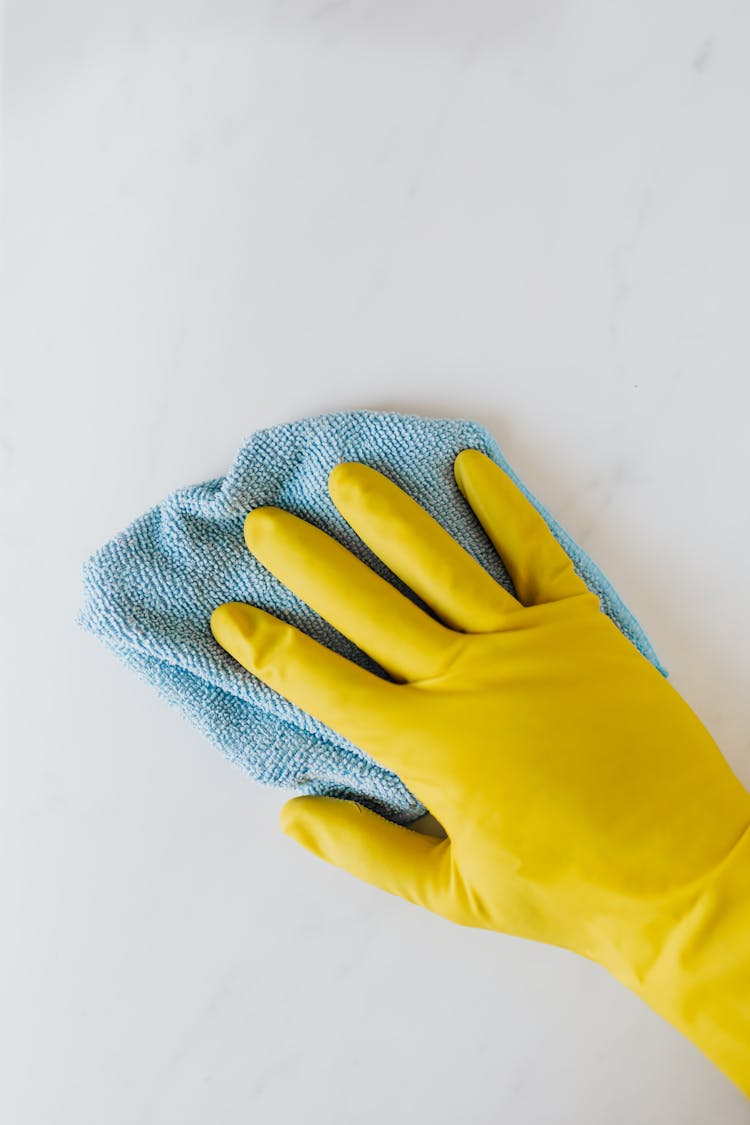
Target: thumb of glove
397,859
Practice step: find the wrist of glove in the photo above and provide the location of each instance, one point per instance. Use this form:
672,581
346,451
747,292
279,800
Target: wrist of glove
582,803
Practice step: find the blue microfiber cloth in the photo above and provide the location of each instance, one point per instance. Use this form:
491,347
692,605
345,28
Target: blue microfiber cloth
149,593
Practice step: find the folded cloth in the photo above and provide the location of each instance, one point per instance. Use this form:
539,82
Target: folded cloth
149,592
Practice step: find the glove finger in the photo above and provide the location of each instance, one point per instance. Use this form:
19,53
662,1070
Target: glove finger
387,855
347,698
419,550
401,637
541,570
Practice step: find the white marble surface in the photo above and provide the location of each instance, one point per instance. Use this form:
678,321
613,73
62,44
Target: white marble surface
223,215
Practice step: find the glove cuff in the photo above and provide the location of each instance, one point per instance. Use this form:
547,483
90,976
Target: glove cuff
700,981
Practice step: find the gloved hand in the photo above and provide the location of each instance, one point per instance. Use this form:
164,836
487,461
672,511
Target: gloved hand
583,803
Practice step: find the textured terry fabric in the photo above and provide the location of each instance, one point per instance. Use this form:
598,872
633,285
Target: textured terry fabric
150,592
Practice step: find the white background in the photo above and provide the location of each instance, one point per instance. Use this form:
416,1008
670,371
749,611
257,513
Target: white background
222,215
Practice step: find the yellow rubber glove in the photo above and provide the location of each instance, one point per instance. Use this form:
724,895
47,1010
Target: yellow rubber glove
583,803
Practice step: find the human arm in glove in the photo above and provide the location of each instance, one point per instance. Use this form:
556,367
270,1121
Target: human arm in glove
583,802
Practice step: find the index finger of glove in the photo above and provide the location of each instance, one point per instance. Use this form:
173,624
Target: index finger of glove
350,700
